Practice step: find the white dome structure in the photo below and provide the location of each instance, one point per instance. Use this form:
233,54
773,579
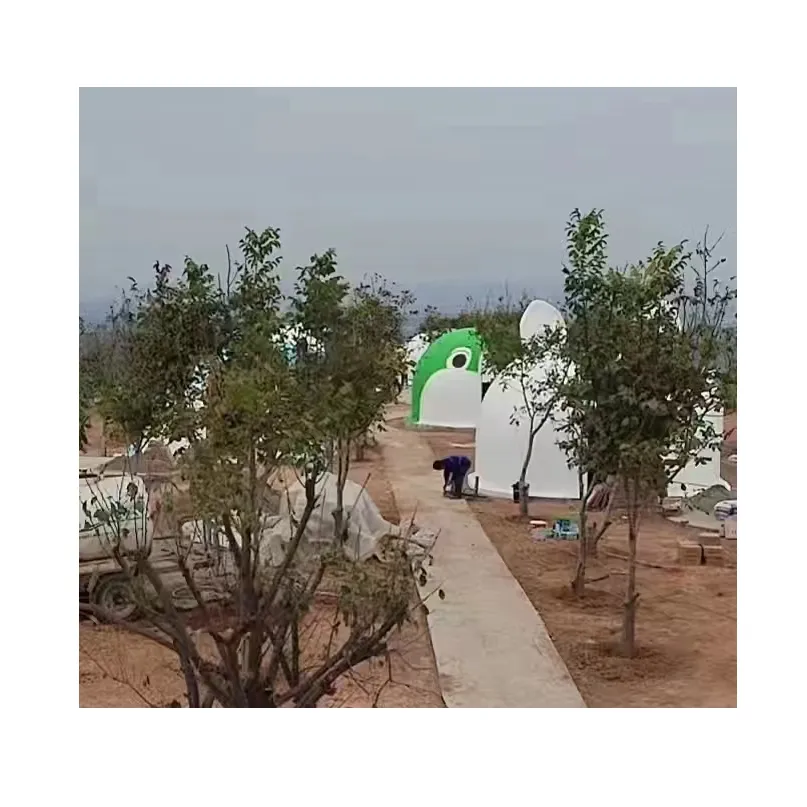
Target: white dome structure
415,348
694,479
501,446
446,386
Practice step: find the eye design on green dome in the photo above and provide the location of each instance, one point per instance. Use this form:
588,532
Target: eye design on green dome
449,358
458,359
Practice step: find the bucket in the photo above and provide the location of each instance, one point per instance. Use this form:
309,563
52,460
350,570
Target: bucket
517,493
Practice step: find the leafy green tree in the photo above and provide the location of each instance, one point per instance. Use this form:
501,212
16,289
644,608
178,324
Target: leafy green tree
123,376
182,324
360,359
221,379
86,379
646,374
584,351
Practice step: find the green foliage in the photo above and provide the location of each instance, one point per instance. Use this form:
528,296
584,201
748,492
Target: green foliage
727,337
353,372
181,326
359,358
90,359
85,381
206,360
498,327
190,357
126,383
434,323
648,363
647,354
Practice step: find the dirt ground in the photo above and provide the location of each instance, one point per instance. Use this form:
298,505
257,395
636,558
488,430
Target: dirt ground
687,618
118,669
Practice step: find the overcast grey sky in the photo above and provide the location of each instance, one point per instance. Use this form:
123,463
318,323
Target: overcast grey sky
452,188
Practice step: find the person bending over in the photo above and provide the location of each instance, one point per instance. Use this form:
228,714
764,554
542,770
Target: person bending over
454,469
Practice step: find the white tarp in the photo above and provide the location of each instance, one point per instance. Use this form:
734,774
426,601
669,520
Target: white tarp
366,526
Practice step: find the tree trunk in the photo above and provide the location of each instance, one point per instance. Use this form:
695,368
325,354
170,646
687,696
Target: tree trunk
339,512
631,596
343,466
523,497
210,541
597,534
579,582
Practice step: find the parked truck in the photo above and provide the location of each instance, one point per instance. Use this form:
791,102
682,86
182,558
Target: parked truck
114,519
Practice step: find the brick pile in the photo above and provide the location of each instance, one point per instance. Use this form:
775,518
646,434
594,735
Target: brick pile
690,553
714,555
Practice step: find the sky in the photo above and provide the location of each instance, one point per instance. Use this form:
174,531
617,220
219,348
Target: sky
449,192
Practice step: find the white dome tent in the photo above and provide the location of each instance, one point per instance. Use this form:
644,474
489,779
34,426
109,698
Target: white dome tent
447,387
694,479
501,446
415,348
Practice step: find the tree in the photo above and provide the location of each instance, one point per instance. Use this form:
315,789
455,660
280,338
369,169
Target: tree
182,324
354,372
587,436
260,419
706,309
435,323
638,401
86,378
126,382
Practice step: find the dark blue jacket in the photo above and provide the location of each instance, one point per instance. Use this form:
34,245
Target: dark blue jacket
455,466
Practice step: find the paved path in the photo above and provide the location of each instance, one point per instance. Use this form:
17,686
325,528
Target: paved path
491,647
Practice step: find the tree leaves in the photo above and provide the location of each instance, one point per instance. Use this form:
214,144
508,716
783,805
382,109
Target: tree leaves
646,354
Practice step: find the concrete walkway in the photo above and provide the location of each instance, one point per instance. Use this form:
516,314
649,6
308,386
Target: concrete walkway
491,647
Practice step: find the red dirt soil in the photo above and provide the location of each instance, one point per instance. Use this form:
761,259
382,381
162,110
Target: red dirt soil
687,617
119,669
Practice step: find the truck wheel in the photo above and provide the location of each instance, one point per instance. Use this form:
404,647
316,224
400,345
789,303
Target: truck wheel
114,594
